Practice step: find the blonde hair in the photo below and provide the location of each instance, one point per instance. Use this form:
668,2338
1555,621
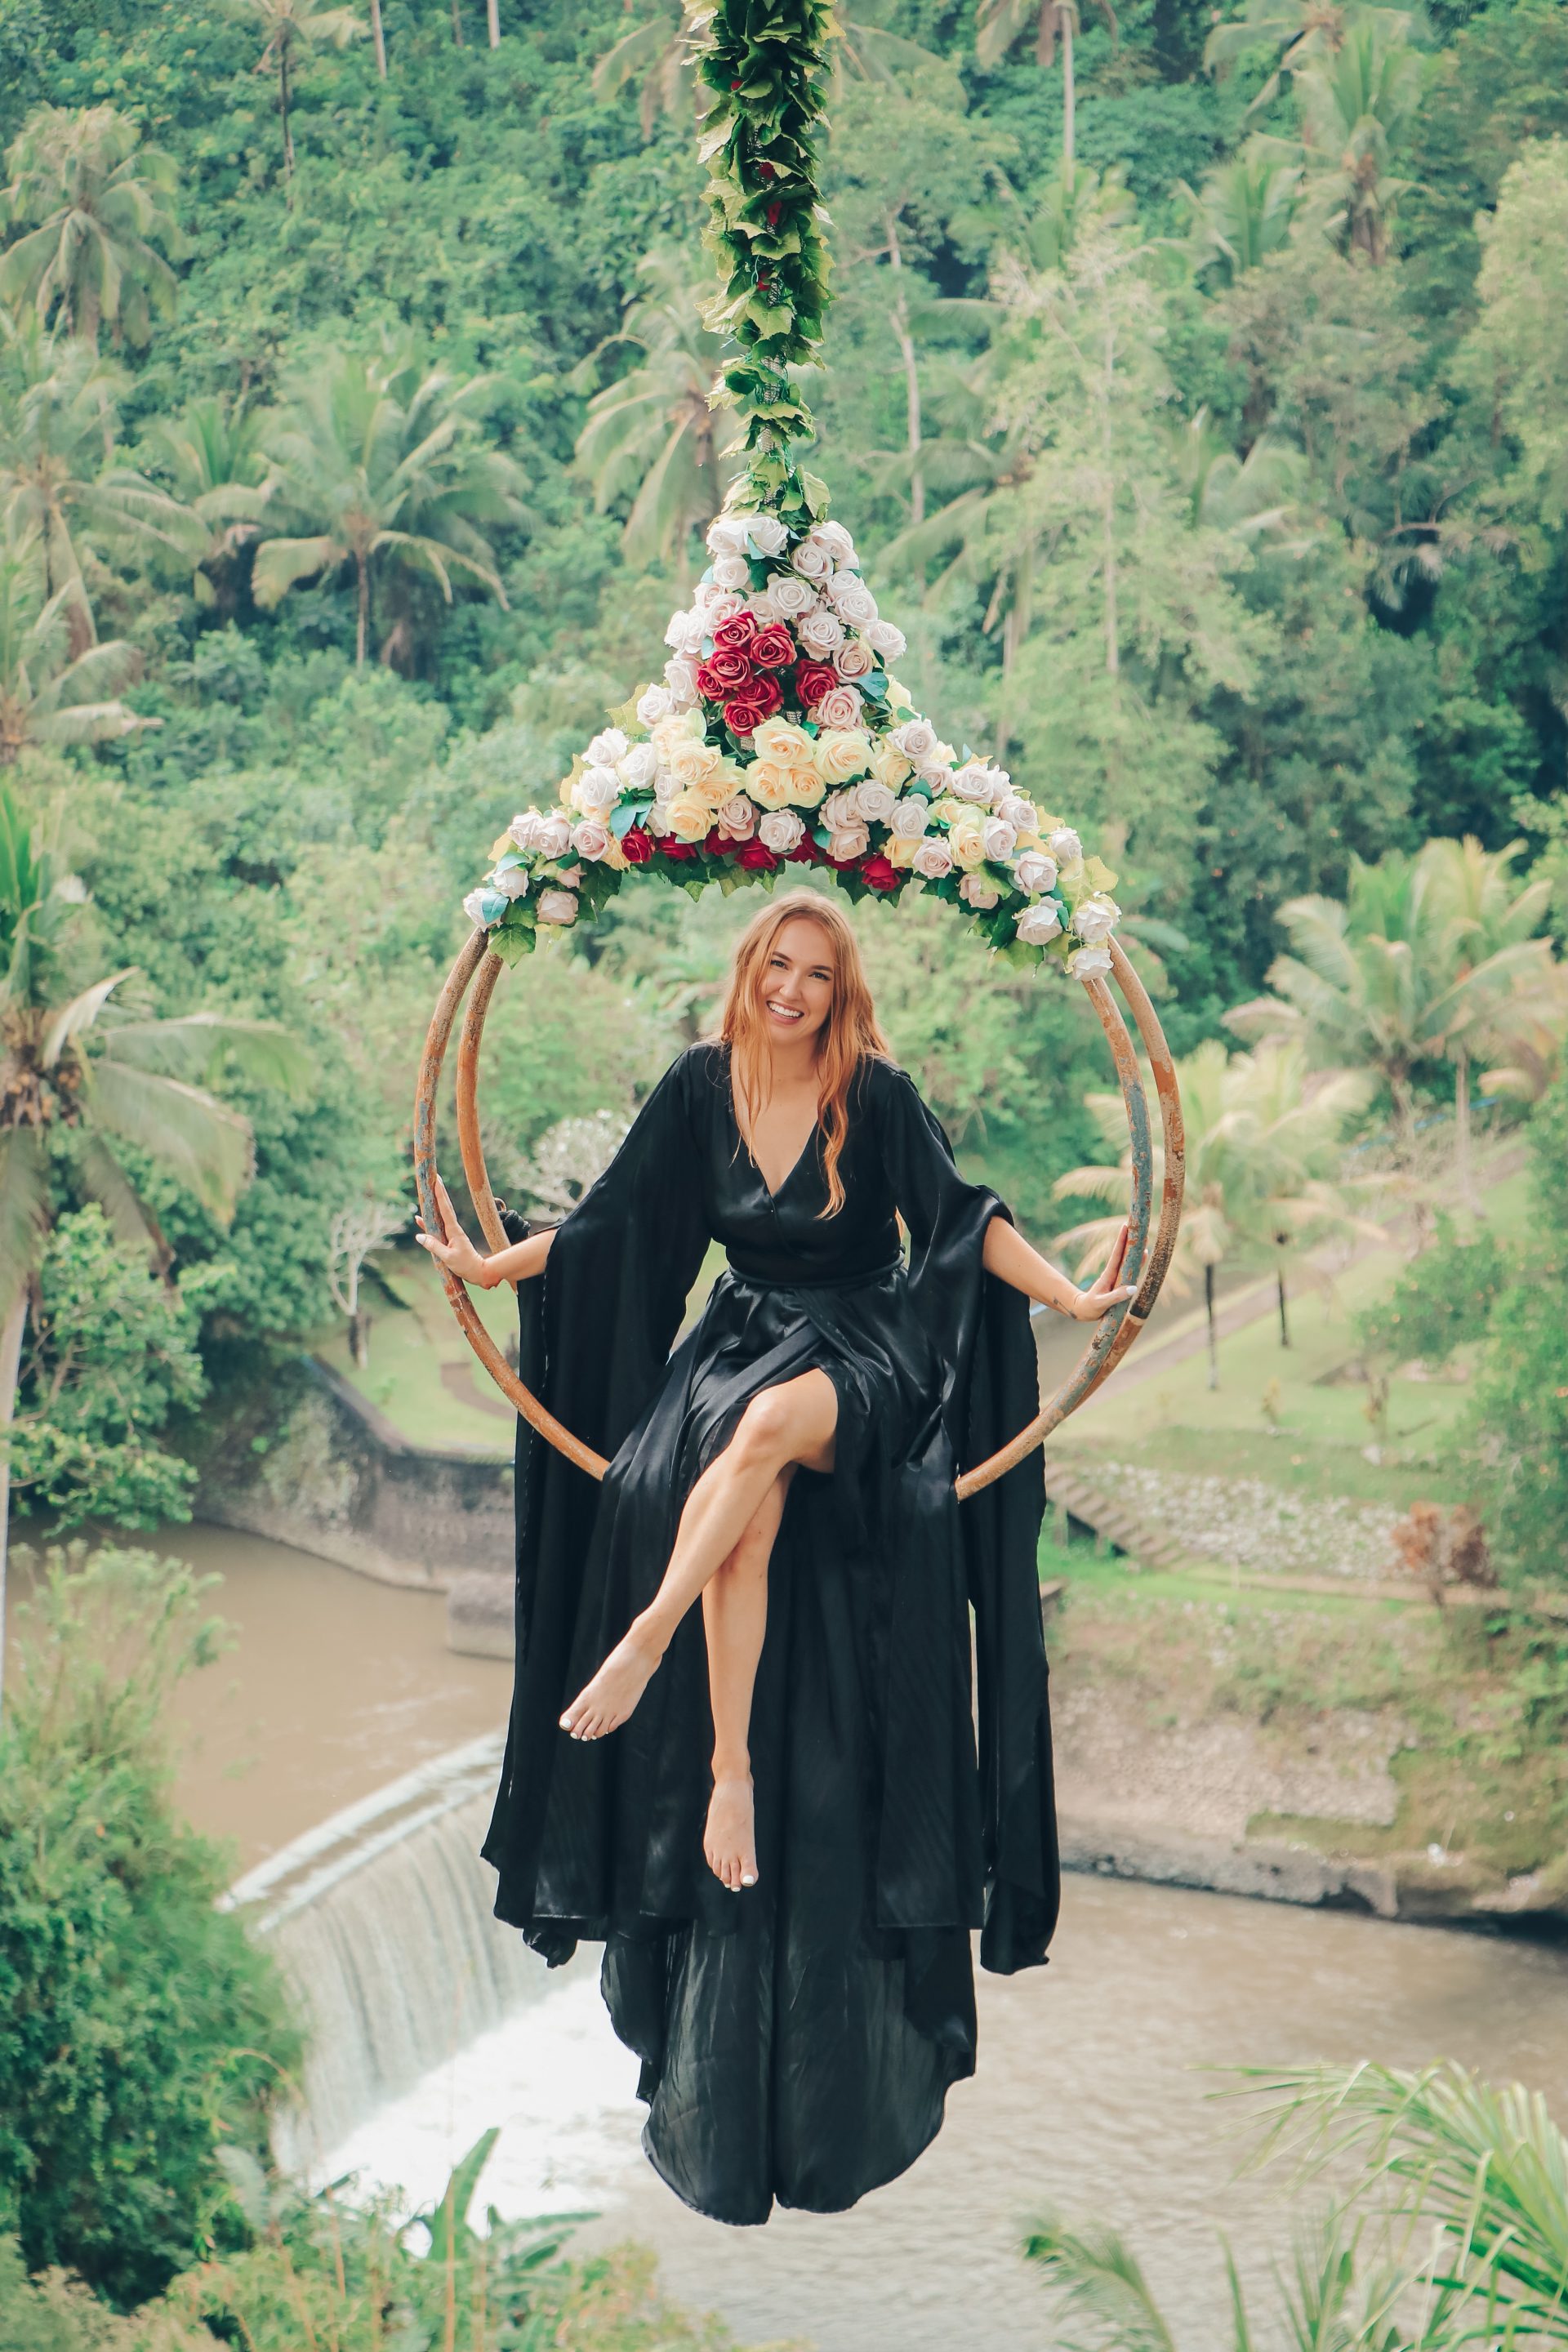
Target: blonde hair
848,1035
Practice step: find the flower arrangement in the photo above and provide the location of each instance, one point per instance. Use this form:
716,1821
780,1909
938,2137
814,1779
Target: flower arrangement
779,737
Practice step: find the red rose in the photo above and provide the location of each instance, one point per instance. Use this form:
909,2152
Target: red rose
756,857
710,684
732,670
879,874
718,843
774,648
812,680
807,853
637,847
735,636
670,847
758,701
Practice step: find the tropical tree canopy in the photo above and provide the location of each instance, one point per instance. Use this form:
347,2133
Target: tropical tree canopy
99,230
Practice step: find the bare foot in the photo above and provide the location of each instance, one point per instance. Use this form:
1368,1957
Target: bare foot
605,1703
728,1842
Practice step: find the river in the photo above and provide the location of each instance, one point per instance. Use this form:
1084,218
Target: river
1097,2082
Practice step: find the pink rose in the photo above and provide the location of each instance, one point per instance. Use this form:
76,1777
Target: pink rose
840,707
849,842
738,818
854,660
932,860
781,831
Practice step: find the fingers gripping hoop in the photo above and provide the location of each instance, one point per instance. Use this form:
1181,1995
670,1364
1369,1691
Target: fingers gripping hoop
1148,1256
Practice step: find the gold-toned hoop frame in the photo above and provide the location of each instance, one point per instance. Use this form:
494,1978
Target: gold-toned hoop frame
1148,1258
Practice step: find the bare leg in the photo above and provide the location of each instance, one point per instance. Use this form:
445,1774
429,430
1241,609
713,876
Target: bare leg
793,1424
736,1616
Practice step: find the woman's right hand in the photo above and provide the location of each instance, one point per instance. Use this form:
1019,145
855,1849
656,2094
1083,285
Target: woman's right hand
451,1248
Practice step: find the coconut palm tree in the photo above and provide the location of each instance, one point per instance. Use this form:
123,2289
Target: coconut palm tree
47,697
289,30
1244,210
651,436
998,24
1249,497
60,475
380,466
1264,1135
98,229
1356,108
82,1077
212,455
1302,33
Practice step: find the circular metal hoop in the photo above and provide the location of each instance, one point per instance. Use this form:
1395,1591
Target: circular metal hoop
1148,1256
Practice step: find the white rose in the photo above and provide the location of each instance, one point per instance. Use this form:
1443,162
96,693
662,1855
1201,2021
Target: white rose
726,534
513,883
821,633
525,828
592,839
1013,810
791,595
1096,920
937,780
598,788
1064,845
885,639
762,609
1035,872
855,659
848,841
678,636
656,819
781,831
717,605
1084,962
836,541
811,560
852,599
680,677
841,809
479,907
916,739
557,907
973,783
653,704
873,802
766,533
738,818
840,707
1038,924
639,767
932,860
977,892
1000,840
910,818
553,838
732,572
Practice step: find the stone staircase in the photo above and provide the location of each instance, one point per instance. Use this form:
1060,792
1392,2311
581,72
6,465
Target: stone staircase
1112,1520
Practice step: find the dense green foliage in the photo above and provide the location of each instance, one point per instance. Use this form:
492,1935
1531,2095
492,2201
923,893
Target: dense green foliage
143,2027
1443,1299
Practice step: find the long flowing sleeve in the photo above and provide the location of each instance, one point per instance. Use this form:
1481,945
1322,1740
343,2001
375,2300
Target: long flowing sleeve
595,1333
981,1329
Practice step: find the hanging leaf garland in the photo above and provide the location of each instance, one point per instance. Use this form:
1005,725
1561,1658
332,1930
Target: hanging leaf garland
764,63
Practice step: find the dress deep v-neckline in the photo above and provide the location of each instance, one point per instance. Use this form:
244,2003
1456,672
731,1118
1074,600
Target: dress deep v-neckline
794,1168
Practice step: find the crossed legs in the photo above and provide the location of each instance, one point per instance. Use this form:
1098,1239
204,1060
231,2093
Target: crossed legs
721,1551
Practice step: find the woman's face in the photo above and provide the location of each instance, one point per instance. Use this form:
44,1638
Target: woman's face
796,987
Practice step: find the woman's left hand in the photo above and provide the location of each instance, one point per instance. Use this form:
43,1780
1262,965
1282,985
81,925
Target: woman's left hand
451,1247
1107,1289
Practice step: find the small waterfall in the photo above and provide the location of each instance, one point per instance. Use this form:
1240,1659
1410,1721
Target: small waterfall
381,1918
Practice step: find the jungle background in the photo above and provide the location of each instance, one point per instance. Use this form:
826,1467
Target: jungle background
1198,393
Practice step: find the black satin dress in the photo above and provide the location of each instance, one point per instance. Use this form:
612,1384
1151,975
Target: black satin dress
797,2039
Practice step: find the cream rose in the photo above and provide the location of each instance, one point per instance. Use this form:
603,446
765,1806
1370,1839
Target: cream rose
738,818
770,785
511,882
806,787
557,907
916,739
1037,924
1096,920
591,839
840,809
1064,845
885,639
977,892
791,595
849,841
1085,962
874,803
691,763
855,659
1036,872
910,818
932,860
967,845
596,788
840,753
555,835
639,767
781,831
811,560
777,740
1000,840
840,707
732,572
889,766
821,633
653,703
852,599
690,818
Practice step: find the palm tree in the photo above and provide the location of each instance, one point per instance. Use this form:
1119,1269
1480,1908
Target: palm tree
80,1075
1356,107
657,55
93,203
211,454
999,23
1303,31
650,435
1247,496
376,465
1244,210
60,474
47,697
1263,1134
291,28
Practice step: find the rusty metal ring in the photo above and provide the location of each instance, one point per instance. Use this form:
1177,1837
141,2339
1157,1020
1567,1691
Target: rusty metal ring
1112,1335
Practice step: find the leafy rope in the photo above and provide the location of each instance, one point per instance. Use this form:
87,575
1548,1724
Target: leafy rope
764,63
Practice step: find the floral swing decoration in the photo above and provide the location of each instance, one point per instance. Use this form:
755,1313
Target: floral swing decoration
779,735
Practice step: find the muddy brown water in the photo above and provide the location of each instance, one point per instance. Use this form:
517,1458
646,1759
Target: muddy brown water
1095,2093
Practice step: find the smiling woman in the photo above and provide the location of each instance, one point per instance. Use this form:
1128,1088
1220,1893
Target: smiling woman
772,1813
